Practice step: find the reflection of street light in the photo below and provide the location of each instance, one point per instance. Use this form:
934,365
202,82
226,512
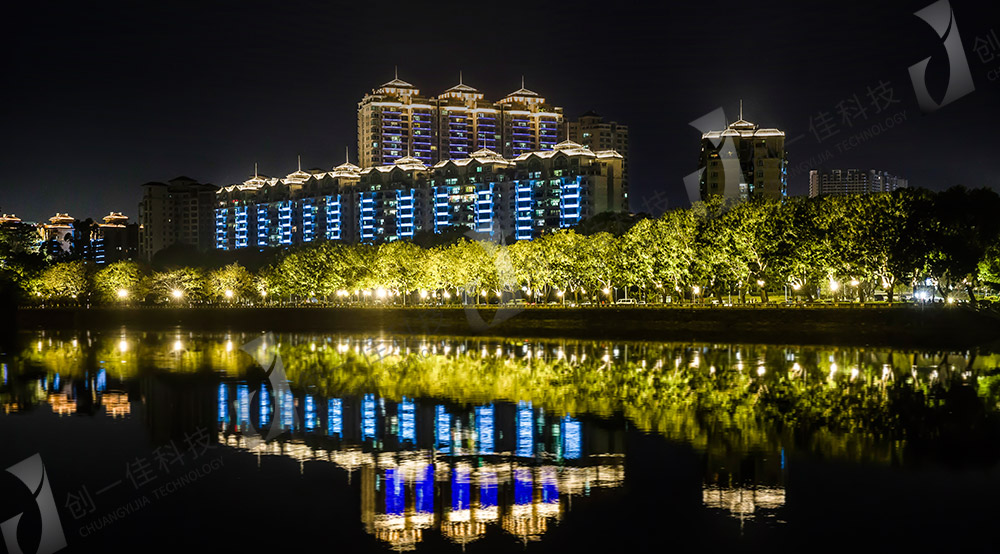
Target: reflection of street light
122,293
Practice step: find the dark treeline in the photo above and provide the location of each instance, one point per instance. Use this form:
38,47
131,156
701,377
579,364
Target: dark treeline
843,247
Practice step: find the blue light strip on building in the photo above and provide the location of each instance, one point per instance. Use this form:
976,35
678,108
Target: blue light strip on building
263,226
220,229
405,213
335,417
368,417
572,438
442,428
424,493
394,497
308,219
287,410
265,405
569,201
333,217
407,420
367,216
285,222
485,428
223,401
241,226
310,413
522,486
461,491
525,431
484,208
242,405
523,206
441,216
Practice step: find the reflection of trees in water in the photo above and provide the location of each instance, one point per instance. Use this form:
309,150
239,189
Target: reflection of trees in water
856,403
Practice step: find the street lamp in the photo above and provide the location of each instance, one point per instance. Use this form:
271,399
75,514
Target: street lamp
177,293
122,294
229,294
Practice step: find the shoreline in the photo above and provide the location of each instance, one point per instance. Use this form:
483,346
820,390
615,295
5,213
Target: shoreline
929,327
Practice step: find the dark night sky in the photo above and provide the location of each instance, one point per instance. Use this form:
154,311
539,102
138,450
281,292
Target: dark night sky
102,97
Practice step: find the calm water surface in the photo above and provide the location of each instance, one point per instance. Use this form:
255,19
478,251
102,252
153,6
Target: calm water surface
353,443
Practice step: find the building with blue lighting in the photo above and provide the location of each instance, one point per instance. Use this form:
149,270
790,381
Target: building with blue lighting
395,120
517,198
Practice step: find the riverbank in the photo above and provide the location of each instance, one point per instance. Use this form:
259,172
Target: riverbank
930,326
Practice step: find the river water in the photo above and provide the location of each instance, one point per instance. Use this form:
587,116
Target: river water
211,441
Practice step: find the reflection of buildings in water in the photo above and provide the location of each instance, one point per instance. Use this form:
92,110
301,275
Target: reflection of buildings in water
743,502
748,486
431,467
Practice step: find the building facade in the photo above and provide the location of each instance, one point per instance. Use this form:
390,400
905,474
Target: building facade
592,131
113,240
396,121
516,198
852,181
744,162
180,211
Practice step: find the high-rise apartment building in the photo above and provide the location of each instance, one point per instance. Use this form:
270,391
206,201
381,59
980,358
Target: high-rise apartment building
396,121
852,181
743,161
592,131
517,198
180,211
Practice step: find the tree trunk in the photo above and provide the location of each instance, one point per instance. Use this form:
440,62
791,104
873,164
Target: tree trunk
972,295
763,295
890,294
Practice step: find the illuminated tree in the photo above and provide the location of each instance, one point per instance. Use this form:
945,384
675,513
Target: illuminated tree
230,283
120,282
182,286
66,281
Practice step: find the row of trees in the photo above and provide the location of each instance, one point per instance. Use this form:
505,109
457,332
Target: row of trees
810,247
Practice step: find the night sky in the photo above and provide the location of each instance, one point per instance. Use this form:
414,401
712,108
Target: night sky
99,98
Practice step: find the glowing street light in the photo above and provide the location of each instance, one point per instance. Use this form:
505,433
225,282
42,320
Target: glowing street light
380,293
177,293
796,286
834,286
229,293
696,290
122,294
423,294
855,282
760,282
606,290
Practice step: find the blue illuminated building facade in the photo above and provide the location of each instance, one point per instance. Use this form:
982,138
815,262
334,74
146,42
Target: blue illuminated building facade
395,120
510,199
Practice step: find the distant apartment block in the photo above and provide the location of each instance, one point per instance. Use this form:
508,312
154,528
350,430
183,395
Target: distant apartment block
180,211
593,132
396,121
744,161
852,181
516,198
